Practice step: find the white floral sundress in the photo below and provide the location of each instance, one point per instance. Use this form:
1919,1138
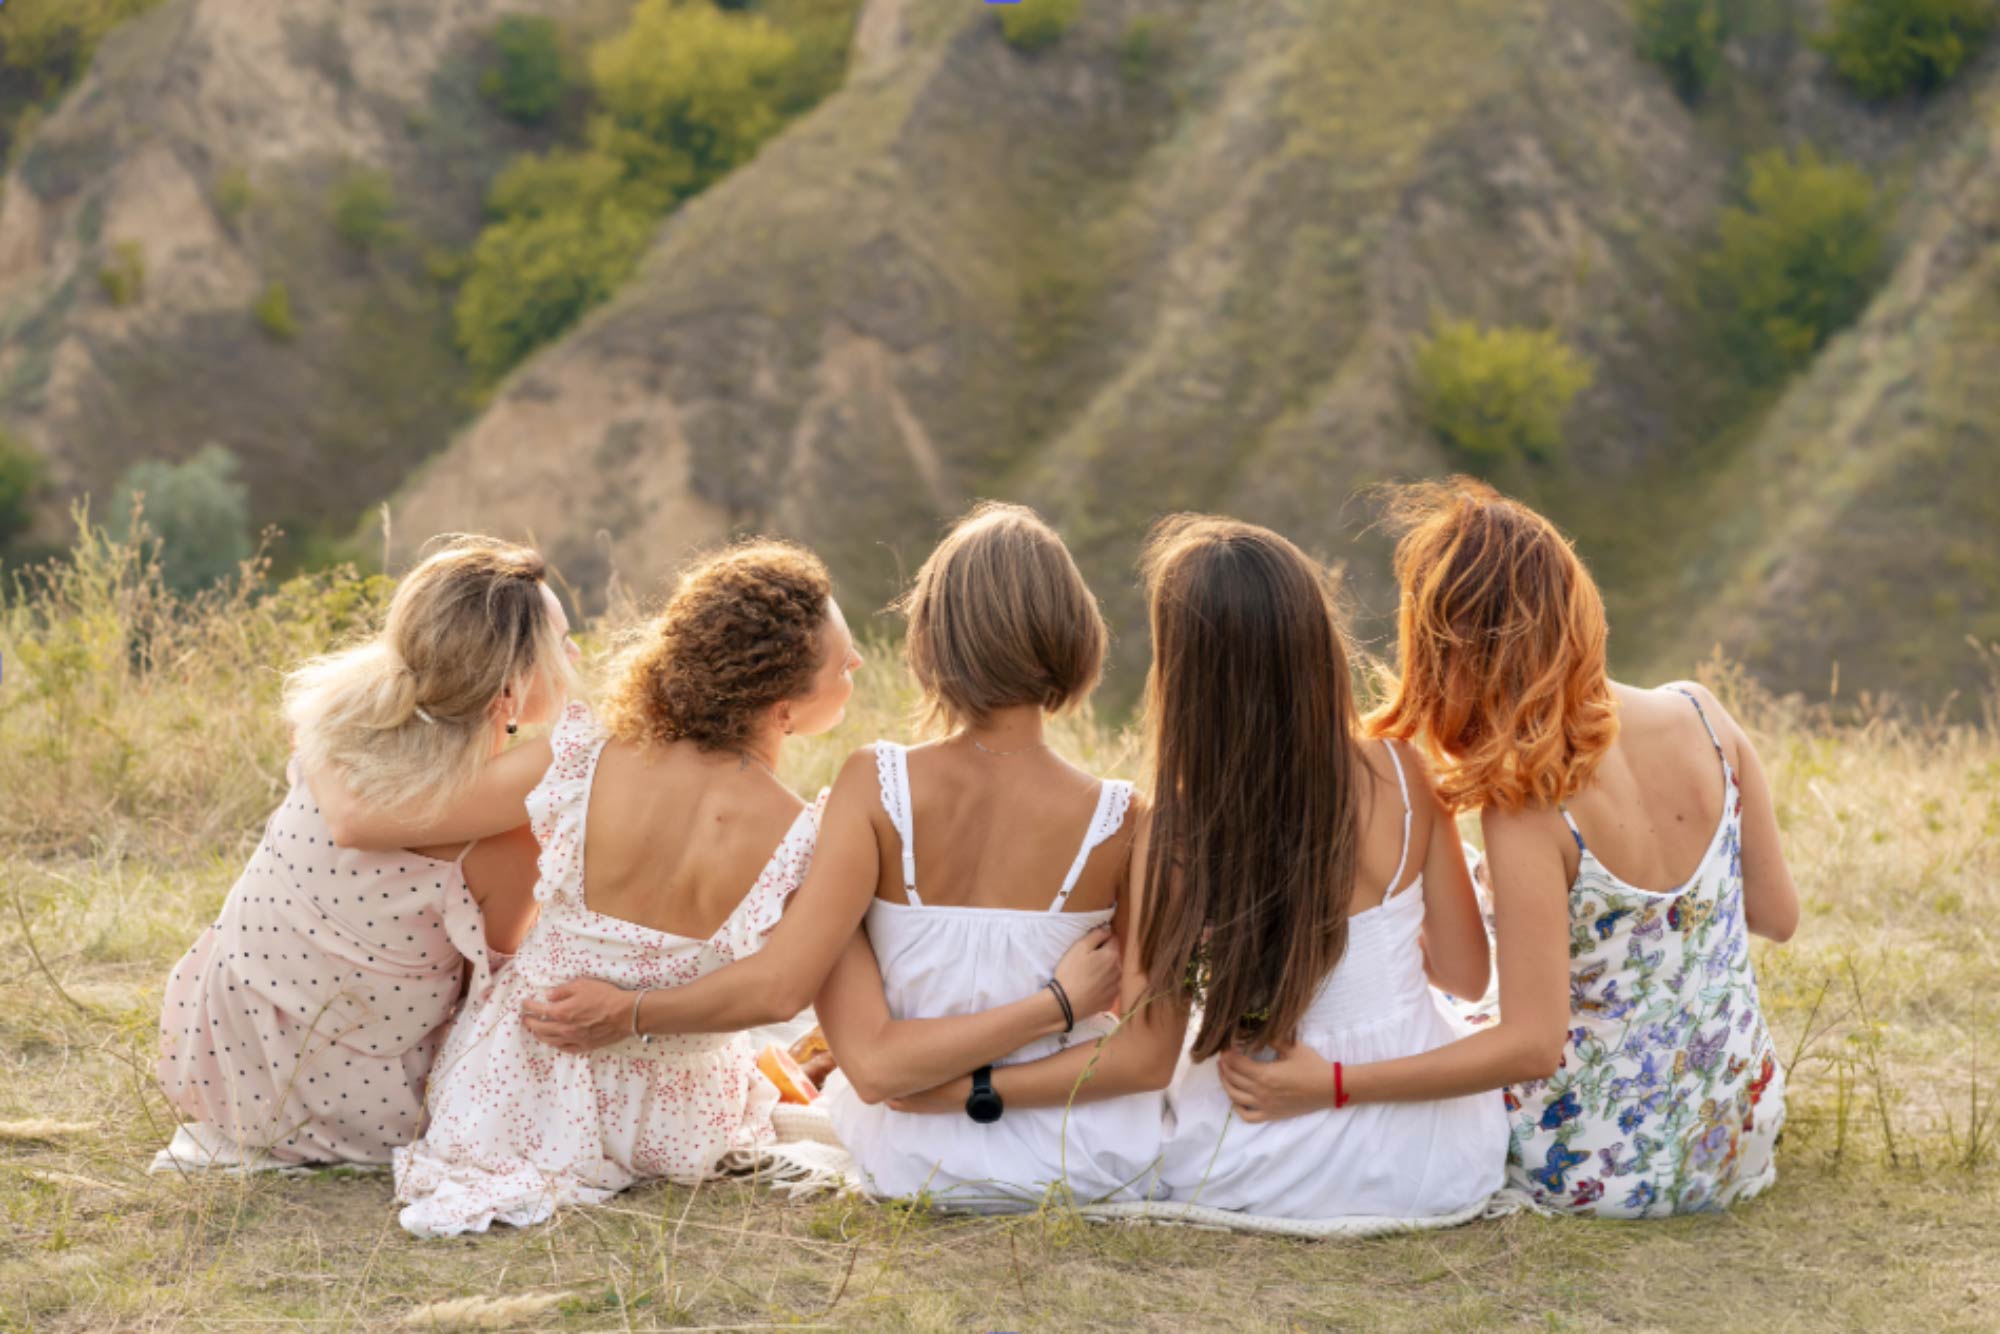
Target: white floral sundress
1669,1098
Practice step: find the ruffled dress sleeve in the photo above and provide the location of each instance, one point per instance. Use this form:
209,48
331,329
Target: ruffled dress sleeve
750,926
558,804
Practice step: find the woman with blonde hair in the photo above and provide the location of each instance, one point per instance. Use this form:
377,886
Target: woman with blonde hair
301,1024
1644,1081
669,849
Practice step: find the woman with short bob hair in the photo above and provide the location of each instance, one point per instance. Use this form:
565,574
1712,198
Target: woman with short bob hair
1644,1081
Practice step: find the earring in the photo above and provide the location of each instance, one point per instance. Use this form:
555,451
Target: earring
513,728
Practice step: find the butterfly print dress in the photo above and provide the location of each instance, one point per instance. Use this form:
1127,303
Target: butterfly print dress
1669,1098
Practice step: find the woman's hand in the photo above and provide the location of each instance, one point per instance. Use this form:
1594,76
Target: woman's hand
580,1016
946,1097
1090,972
1299,1081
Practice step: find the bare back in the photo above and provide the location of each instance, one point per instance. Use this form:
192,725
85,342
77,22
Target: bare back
677,836
1388,818
1654,806
1000,831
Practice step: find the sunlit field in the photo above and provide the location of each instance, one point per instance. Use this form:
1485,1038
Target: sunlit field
140,751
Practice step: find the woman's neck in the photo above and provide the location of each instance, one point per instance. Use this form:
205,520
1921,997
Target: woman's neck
1004,730
766,746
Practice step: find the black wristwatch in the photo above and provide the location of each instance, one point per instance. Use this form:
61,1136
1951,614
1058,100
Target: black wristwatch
983,1103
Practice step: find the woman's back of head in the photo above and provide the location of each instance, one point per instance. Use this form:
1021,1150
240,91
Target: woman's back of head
1258,780
1003,632
684,813
472,639
1501,635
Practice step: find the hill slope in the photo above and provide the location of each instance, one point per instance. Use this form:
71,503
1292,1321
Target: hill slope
215,140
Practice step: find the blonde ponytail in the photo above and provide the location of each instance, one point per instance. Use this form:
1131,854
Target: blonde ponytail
405,719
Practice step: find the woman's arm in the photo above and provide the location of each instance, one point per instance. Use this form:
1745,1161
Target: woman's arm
1139,1056
1770,898
1457,956
1531,920
501,872
496,802
772,985
885,1058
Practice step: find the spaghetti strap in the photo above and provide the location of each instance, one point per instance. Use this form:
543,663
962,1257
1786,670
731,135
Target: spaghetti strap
892,772
1707,726
1113,797
1570,820
1404,784
459,860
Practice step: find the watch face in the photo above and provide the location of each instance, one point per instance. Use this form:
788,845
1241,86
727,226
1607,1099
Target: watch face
983,1106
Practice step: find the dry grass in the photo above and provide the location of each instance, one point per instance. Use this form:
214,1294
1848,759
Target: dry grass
139,752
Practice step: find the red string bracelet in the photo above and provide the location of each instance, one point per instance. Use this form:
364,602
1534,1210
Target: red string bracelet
1340,1098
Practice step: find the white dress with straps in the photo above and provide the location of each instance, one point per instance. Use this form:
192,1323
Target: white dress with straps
1405,1160
519,1129
942,961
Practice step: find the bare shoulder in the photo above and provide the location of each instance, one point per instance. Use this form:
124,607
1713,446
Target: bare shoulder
1718,716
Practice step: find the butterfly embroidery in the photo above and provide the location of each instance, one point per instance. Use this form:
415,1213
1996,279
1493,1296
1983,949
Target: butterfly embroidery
1565,1108
1561,1159
1608,922
1703,1052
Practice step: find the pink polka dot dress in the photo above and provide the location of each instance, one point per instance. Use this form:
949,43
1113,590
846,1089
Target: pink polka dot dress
519,1129
303,1021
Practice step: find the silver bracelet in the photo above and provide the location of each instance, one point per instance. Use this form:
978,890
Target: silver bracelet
645,1039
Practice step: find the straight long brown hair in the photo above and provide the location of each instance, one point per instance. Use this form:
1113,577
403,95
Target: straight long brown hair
1257,778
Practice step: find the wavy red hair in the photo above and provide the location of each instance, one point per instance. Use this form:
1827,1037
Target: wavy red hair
1501,635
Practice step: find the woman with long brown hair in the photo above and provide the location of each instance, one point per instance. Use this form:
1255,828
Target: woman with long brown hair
1644,1080
1305,887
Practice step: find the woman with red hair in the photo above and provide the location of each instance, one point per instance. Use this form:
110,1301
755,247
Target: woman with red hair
1649,1085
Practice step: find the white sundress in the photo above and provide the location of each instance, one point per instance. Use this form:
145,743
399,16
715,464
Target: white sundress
1377,1161
519,1129
943,961
1670,1096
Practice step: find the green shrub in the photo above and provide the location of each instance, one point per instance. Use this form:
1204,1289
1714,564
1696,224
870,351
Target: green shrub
22,474
1884,48
535,275
232,194
273,311
1498,394
124,278
195,516
687,93
1797,262
363,206
1143,49
1685,38
1031,25
528,80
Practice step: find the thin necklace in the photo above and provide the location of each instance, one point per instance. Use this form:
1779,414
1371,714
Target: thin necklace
1039,745
745,759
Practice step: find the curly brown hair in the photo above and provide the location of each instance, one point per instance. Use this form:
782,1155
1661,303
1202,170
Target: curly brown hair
741,633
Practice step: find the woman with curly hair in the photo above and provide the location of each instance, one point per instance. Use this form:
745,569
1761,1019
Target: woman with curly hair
668,849
1643,1078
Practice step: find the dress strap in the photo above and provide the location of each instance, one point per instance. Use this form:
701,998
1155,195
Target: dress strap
1114,797
1570,820
1707,726
892,770
1403,783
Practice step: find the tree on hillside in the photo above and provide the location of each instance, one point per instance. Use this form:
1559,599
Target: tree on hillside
195,515
1885,48
1797,262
